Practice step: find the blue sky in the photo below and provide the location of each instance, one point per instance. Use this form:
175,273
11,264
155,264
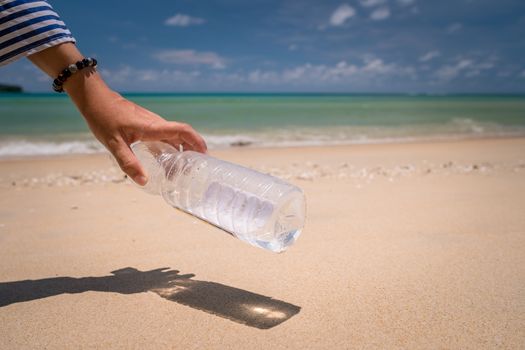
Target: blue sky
297,46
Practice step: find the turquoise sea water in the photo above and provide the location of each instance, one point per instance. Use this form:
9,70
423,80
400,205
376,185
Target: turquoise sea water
32,124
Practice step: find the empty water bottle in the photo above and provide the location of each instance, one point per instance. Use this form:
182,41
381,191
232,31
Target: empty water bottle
257,208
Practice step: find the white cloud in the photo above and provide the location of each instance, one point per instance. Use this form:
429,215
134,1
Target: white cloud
522,75
320,72
454,27
292,47
450,72
182,20
372,70
342,72
341,14
377,65
137,79
477,68
371,3
429,56
259,76
405,2
191,57
468,65
380,13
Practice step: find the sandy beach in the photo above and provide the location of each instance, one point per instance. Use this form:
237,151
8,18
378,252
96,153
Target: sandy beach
411,246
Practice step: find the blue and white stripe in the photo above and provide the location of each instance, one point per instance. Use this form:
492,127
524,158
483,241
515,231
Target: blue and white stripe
27,27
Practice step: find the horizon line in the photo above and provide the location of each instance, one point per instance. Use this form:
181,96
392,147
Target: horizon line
332,93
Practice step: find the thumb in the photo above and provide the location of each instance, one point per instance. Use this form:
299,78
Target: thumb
129,163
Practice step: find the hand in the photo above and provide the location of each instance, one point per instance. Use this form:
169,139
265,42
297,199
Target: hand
117,123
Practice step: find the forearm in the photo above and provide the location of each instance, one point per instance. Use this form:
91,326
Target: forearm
115,121
85,87
56,58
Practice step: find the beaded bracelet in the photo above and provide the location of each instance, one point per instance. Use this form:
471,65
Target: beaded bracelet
70,70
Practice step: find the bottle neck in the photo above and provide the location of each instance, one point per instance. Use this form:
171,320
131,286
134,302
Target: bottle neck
157,158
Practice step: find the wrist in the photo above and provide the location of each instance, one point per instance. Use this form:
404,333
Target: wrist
86,87
88,90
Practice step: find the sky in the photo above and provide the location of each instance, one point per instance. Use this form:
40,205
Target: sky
365,46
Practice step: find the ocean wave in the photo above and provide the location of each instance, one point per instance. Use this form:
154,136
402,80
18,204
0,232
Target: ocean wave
14,148
230,140
461,128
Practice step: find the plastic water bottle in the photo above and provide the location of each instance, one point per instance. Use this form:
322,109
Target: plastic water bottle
257,208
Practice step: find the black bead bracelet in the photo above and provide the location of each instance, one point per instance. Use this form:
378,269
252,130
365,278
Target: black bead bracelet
70,70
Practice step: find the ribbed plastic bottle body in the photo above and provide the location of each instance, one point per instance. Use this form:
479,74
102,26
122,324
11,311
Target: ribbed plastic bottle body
256,208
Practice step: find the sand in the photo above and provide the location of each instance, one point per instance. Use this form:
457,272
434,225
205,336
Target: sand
405,246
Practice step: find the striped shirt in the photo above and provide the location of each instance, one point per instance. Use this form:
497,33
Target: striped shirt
27,27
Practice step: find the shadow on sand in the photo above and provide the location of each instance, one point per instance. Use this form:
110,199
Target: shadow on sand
235,304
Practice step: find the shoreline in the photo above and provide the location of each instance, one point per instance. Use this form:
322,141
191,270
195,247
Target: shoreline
358,164
105,153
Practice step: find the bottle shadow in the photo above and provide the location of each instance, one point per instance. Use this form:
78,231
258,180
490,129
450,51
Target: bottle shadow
235,304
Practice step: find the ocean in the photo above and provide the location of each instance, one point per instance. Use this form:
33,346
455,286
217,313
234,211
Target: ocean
47,124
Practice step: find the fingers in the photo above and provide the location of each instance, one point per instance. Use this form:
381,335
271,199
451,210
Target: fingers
192,138
128,162
176,133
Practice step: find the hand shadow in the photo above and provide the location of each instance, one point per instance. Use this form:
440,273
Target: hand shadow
235,304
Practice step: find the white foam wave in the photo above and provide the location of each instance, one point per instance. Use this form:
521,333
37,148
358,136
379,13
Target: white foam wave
468,125
14,148
228,140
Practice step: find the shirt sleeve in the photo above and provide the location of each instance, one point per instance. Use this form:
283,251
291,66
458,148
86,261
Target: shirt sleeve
27,27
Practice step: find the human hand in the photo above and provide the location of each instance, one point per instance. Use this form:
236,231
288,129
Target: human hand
117,123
